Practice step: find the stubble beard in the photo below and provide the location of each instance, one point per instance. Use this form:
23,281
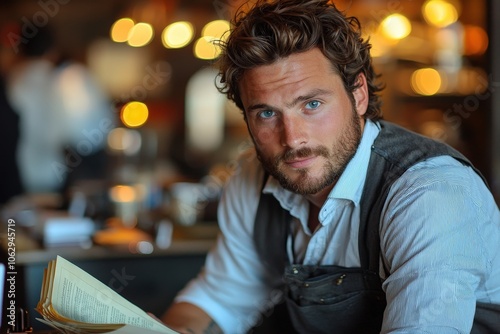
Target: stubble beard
336,160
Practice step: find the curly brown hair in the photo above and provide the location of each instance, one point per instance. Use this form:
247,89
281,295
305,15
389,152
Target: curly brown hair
276,29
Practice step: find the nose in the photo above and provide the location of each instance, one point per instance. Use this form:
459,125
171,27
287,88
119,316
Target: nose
293,131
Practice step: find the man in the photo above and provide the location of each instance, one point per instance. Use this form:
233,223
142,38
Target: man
348,223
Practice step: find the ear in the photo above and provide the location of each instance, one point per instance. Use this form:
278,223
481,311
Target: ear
361,95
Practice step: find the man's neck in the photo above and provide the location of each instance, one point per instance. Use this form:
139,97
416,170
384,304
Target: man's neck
319,198
313,220
316,201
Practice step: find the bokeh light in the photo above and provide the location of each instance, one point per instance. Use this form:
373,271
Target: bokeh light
141,34
122,193
217,29
395,26
120,30
134,114
426,81
475,40
126,141
440,13
177,35
206,48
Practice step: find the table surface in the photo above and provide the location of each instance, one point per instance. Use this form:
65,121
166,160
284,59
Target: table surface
186,240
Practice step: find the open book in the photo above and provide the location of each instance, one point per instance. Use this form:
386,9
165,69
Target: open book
73,301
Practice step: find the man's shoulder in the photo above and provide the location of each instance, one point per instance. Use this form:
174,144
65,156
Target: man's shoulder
401,149
439,169
441,176
395,139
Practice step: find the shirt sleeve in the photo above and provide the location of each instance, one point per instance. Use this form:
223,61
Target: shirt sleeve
440,241
230,288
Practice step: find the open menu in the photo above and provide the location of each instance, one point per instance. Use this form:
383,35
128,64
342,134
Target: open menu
74,302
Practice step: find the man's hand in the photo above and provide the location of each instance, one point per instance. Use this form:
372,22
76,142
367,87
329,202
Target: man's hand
190,319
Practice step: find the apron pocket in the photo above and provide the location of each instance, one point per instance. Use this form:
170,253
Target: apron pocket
355,312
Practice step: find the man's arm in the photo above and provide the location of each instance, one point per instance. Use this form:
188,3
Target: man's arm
231,285
190,319
440,240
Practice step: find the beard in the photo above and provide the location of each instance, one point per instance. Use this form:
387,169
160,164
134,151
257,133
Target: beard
337,157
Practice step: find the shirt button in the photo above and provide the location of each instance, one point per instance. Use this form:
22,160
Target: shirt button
294,270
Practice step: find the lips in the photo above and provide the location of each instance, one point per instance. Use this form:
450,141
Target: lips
302,162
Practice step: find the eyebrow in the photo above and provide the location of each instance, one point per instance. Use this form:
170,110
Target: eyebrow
259,106
312,94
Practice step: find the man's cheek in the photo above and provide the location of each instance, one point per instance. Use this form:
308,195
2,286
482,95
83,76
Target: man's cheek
266,135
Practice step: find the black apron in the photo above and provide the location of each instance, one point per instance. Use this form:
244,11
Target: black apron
333,299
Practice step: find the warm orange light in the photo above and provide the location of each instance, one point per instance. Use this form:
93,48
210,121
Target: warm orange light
395,26
122,194
206,48
134,114
440,13
177,35
140,34
216,29
426,81
120,30
475,41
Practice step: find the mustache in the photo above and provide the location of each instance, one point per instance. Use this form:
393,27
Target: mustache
304,152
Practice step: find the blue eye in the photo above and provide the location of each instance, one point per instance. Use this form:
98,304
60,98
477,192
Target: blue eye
266,114
313,104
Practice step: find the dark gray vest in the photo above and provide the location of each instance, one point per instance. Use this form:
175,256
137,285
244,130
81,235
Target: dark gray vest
333,299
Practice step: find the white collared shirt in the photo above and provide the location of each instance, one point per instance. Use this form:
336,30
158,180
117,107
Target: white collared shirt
418,244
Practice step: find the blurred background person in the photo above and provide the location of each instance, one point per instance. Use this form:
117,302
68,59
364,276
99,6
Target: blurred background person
64,116
30,92
9,136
